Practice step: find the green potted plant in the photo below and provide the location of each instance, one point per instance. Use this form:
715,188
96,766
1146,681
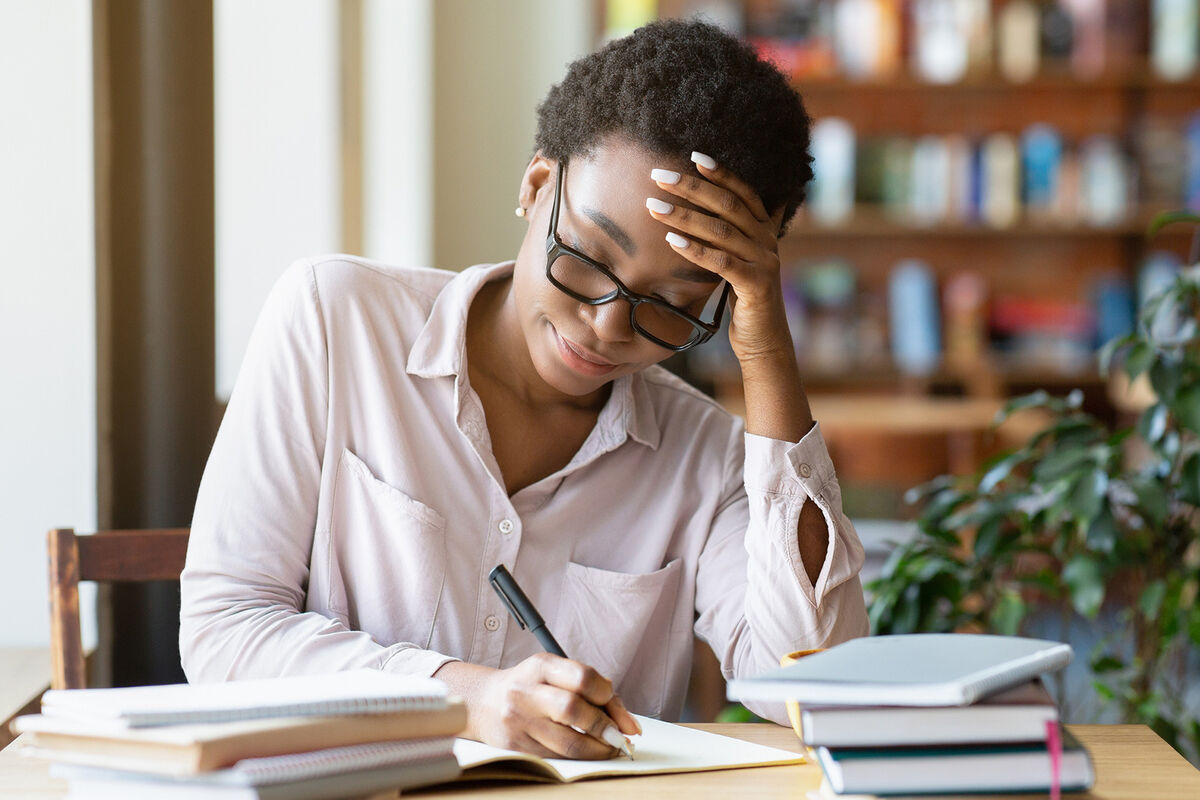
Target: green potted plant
1083,517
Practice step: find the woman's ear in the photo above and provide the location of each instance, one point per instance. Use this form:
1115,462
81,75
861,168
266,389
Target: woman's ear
538,175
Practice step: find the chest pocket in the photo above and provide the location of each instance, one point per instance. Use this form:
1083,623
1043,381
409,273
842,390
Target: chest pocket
387,557
620,624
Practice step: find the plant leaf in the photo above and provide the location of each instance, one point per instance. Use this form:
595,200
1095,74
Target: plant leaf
1139,359
1110,349
1008,614
1107,663
1102,532
986,538
1152,423
1087,498
1152,597
1086,581
1061,461
1152,500
1162,219
1187,407
1000,470
1164,379
1189,480
918,493
1038,398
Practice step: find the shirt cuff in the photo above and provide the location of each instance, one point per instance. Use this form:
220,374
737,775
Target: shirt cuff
790,474
800,469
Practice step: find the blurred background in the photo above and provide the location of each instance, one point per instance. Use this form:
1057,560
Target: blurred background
985,174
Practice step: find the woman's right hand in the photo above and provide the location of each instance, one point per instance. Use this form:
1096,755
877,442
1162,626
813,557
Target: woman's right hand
540,706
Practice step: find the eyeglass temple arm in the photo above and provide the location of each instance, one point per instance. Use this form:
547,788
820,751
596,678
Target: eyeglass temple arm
551,240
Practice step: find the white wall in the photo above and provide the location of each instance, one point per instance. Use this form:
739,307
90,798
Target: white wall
397,62
449,93
493,63
278,174
47,301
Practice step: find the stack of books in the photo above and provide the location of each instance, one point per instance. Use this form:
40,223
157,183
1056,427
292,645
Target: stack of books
1004,743
353,734
931,714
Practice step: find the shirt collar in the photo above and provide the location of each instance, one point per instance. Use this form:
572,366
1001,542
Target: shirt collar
440,350
441,347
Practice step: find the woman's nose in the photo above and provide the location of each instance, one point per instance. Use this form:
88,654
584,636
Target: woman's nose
609,321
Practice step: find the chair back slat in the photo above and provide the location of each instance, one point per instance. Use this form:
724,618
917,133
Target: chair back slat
109,556
66,642
132,555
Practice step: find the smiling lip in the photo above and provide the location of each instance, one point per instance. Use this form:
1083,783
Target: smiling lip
580,359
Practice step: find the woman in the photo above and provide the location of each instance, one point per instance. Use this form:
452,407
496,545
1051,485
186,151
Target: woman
396,433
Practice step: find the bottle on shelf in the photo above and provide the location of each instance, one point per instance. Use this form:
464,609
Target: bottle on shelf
914,320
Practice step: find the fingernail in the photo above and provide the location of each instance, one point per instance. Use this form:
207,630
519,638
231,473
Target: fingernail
658,206
613,737
675,240
708,162
664,176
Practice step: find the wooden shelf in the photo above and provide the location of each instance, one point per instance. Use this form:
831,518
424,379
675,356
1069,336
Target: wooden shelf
1141,78
875,223
870,376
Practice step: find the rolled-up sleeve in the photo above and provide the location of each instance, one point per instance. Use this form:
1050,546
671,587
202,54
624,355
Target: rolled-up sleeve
754,599
247,572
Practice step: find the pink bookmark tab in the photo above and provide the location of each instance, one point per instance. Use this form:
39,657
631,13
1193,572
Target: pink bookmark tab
1054,749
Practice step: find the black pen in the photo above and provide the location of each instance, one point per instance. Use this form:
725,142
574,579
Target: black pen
527,616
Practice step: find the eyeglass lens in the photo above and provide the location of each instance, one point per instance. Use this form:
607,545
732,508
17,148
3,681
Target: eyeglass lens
590,283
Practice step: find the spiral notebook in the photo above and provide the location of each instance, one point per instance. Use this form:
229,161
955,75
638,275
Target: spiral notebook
358,770
918,669
353,692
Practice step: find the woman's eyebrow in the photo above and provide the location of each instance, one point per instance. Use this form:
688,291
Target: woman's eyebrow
618,235
614,231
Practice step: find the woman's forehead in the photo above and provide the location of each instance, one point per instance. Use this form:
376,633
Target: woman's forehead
608,193
616,181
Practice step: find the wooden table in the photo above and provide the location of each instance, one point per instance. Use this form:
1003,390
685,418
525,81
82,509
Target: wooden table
24,675
1131,762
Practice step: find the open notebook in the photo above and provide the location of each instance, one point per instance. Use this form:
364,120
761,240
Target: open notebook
662,747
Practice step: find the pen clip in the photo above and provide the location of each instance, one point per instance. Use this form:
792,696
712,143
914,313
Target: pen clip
492,579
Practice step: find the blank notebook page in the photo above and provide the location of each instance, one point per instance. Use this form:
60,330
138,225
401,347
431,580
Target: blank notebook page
662,747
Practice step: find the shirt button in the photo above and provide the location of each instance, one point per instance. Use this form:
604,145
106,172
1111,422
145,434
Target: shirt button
805,470
506,526
492,622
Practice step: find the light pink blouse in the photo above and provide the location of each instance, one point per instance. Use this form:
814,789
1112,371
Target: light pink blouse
351,510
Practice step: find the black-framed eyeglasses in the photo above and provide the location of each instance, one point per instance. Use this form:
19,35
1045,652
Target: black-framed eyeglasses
590,282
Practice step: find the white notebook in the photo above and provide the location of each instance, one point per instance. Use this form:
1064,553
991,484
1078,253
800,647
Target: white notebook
356,770
663,747
353,692
919,669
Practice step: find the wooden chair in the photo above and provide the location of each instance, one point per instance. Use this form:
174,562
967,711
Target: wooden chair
116,556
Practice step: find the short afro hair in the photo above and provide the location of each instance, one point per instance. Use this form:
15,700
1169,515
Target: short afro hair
674,86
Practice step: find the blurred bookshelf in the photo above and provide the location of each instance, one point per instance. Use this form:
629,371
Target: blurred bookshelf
986,171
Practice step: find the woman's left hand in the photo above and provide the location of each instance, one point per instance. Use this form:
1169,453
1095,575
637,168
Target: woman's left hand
731,234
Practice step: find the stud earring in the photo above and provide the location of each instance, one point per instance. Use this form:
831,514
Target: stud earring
519,211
